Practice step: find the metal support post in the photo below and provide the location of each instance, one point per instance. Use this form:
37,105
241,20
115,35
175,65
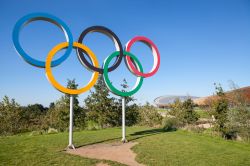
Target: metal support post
71,146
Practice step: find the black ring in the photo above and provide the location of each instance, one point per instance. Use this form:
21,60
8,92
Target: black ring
112,36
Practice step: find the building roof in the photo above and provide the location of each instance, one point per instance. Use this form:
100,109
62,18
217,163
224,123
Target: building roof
169,99
244,93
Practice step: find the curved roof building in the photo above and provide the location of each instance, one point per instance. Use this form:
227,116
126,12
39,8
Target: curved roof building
232,96
164,101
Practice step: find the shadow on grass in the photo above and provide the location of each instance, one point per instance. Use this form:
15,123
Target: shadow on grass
98,142
146,133
131,137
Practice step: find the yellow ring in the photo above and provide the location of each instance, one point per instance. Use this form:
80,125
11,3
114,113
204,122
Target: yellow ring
59,86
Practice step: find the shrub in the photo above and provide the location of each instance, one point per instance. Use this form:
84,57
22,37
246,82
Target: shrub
194,128
184,112
105,110
238,123
220,108
232,115
170,124
11,117
52,131
149,116
34,133
92,125
189,115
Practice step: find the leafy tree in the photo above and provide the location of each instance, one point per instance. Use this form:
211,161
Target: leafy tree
184,112
58,114
132,109
148,116
231,112
10,119
33,116
101,108
51,105
175,109
189,115
106,111
220,108
238,116
79,113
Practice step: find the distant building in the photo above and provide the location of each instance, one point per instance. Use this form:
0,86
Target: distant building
241,94
165,101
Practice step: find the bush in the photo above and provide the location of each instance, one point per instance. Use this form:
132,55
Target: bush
35,133
52,131
195,129
237,124
184,112
11,121
228,133
92,125
149,116
219,108
232,114
170,124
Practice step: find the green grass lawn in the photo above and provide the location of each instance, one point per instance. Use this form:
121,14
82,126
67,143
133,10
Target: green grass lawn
155,148
202,113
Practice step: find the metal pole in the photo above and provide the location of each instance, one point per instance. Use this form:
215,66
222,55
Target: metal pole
123,121
71,146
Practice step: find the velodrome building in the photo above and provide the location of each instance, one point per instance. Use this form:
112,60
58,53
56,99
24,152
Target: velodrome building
232,96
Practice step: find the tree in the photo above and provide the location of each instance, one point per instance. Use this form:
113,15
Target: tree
58,114
33,116
220,108
131,110
10,119
71,84
231,112
79,113
190,116
148,116
175,108
238,116
184,112
101,108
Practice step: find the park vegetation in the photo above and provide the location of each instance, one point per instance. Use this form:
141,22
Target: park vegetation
229,119
232,117
180,115
99,110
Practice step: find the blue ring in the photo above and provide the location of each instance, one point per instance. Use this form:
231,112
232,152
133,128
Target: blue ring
45,17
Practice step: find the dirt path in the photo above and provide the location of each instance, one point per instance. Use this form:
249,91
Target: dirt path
118,152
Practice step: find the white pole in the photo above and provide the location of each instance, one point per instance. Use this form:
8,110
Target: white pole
71,146
123,121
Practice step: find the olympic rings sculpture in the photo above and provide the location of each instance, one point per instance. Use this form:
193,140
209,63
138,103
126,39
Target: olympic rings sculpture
131,60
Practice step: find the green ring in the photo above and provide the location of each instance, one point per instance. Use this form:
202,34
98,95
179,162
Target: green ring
109,84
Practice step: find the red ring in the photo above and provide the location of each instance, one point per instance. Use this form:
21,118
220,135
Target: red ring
155,52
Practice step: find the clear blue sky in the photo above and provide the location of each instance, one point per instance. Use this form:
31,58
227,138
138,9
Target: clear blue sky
201,42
